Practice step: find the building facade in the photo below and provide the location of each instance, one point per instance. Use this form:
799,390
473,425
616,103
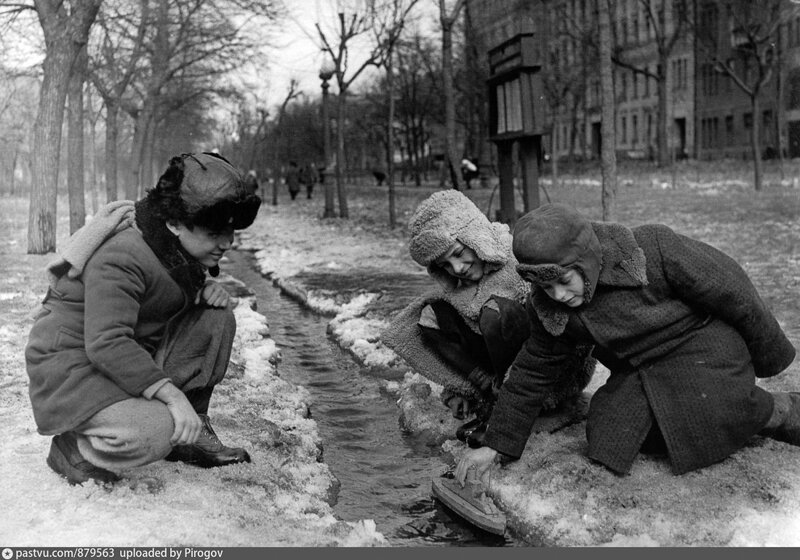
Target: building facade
662,67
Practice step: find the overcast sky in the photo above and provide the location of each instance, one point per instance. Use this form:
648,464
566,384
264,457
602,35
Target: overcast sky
296,52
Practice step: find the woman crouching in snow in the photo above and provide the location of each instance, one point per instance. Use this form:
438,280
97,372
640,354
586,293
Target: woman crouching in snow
132,336
465,333
677,322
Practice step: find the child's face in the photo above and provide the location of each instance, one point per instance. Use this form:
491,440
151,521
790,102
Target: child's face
567,288
203,244
461,262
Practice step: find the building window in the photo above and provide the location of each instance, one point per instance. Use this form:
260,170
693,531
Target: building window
715,132
634,130
747,120
730,133
623,137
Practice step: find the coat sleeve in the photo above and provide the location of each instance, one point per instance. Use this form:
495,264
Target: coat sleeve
706,278
534,375
115,284
403,336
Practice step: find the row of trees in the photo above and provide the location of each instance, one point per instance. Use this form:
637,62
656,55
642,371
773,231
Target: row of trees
160,63
152,74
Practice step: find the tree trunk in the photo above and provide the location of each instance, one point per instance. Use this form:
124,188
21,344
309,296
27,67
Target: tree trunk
277,175
390,141
46,150
92,154
662,117
146,179
13,177
112,159
607,131
75,151
755,141
340,187
554,163
451,154
143,120
64,36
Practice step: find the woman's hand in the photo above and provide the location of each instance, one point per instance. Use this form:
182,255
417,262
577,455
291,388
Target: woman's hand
187,423
213,295
478,459
459,406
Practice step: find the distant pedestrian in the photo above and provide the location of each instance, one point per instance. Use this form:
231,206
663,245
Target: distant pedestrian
251,181
293,179
469,171
308,177
379,175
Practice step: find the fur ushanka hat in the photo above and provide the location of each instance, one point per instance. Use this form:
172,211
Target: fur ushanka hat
554,238
448,216
214,193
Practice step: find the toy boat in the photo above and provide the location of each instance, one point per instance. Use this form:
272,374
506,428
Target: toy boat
471,503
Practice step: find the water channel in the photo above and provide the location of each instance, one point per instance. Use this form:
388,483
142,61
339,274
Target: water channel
385,474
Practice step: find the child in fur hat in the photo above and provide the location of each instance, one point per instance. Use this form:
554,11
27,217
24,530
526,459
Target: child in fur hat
464,333
678,323
133,335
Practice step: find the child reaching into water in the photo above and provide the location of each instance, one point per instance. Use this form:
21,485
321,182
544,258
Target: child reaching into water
464,333
678,323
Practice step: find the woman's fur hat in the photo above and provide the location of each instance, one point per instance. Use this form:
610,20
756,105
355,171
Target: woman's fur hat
448,216
554,238
205,189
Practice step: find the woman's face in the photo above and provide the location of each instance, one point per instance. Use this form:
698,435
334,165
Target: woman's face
567,288
203,244
461,262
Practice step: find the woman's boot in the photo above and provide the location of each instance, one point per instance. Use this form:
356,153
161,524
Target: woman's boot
208,451
65,459
784,424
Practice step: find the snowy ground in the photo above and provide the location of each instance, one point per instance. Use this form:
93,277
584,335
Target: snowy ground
553,496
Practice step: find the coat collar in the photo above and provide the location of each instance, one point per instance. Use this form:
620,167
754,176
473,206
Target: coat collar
623,265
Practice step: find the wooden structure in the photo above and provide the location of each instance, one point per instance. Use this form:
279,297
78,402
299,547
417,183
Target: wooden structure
517,114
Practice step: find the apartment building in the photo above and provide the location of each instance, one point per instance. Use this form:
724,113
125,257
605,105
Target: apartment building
707,115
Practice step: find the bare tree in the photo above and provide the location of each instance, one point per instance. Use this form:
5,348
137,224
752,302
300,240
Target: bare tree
75,151
190,45
448,19
418,71
667,22
277,175
743,46
17,112
608,134
337,45
113,65
391,22
564,79
66,30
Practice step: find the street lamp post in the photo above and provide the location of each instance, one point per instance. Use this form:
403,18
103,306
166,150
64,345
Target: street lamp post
326,73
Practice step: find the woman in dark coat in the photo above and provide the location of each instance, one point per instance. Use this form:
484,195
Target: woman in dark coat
133,335
677,322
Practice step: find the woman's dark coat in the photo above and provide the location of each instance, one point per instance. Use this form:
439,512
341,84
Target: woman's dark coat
93,343
683,332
